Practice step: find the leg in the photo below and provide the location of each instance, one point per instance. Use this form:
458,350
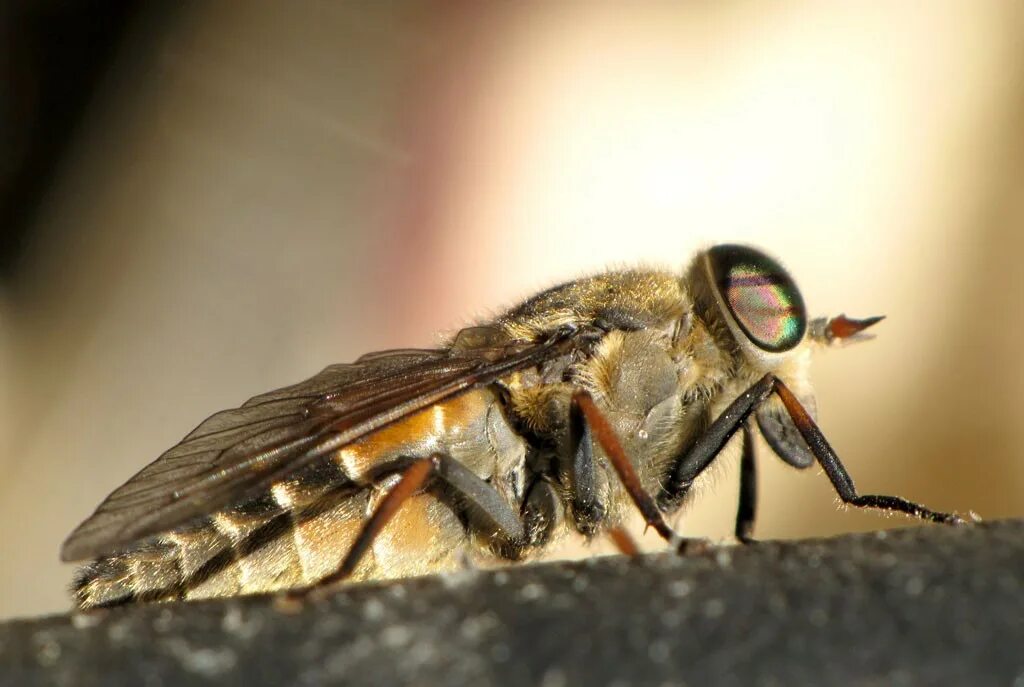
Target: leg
721,430
623,542
484,508
841,479
541,513
587,510
748,489
412,480
712,441
605,435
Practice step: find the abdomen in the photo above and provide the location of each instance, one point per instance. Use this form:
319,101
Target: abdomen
298,531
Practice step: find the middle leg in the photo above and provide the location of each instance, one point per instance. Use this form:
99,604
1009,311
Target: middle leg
604,434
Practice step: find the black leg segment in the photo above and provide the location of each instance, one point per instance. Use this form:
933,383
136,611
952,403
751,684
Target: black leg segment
747,509
486,511
541,513
587,509
713,440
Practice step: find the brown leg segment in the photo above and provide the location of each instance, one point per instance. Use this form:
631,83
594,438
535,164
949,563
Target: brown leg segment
605,435
413,479
623,541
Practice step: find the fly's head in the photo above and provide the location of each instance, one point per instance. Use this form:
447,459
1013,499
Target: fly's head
757,312
758,316
751,306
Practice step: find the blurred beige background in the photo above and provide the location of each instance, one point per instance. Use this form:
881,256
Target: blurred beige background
262,190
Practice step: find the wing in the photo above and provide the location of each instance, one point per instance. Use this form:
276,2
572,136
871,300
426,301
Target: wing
238,453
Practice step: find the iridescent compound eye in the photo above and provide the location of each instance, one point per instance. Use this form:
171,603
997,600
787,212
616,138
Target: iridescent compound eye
761,297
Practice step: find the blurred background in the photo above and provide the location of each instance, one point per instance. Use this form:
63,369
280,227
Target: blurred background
203,201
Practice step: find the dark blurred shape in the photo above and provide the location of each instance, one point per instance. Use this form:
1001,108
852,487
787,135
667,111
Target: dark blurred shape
923,606
52,57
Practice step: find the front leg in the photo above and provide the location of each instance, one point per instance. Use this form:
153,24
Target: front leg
710,443
840,478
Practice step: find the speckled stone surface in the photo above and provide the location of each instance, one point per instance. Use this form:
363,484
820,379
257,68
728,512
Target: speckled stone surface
922,606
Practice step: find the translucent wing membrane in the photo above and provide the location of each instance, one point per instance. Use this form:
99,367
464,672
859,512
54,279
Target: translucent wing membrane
238,453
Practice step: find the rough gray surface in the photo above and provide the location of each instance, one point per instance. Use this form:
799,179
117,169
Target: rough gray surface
924,606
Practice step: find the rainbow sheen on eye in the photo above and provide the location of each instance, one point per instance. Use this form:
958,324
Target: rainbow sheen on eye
760,295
